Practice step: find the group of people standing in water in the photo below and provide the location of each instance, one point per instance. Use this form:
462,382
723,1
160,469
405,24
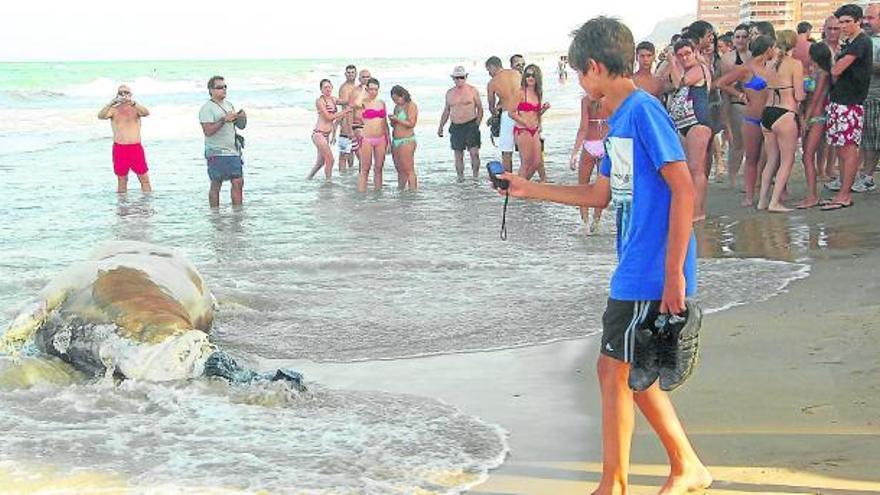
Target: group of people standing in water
357,121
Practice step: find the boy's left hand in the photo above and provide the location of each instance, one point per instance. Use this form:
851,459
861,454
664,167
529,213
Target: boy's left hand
673,295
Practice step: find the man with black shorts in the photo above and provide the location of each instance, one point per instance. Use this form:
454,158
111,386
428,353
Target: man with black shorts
219,120
465,110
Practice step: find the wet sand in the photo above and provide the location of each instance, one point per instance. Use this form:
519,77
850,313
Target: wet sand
785,400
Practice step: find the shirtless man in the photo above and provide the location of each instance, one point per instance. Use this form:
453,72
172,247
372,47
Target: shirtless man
644,77
801,50
503,96
346,133
465,110
128,154
356,103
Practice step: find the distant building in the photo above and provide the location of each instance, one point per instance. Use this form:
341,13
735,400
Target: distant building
783,14
723,14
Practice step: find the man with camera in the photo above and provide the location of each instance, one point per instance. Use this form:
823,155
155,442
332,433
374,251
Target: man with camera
223,144
128,154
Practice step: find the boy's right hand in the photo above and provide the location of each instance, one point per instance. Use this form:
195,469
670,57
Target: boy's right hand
517,186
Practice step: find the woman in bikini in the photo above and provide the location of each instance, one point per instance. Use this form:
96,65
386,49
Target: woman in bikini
752,91
814,130
328,114
375,137
779,120
689,109
527,118
589,150
403,142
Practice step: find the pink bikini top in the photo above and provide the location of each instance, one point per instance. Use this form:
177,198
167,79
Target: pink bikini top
372,113
525,106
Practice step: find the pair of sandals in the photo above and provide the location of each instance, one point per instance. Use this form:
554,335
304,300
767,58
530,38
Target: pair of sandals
666,349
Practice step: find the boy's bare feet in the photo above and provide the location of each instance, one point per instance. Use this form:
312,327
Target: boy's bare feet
692,480
778,208
612,488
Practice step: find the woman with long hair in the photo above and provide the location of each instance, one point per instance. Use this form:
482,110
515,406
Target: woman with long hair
752,91
814,130
779,121
403,139
689,109
328,114
589,150
527,119
375,137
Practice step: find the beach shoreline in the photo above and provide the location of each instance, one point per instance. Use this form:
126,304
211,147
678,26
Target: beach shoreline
784,399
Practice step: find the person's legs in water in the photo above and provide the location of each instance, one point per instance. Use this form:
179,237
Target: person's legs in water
378,163
121,184
785,131
144,179
753,142
408,155
214,193
697,143
459,164
365,163
236,192
475,161
811,142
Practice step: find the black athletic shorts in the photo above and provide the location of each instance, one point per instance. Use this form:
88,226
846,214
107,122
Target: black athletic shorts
464,136
619,325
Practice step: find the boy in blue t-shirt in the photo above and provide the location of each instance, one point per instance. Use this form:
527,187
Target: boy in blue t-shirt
644,173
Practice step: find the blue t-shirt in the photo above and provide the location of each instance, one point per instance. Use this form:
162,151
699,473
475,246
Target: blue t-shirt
641,140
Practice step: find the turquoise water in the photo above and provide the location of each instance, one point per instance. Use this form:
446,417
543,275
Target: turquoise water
307,270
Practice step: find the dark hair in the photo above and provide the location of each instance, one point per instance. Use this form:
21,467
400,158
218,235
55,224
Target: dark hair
350,66
493,61
741,27
726,39
765,28
698,29
515,55
212,81
675,37
606,41
820,54
646,45
851,10
321,84
804,27
683,42
373,80
399,91
539,85
761,44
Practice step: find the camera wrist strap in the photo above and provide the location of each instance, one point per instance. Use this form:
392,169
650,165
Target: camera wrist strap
504,218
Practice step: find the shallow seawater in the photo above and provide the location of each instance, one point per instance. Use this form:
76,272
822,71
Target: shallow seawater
305,271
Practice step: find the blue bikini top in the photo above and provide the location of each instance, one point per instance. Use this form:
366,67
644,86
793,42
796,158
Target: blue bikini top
756,83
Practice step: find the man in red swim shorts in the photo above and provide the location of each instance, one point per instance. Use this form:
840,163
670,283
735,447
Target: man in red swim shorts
128,154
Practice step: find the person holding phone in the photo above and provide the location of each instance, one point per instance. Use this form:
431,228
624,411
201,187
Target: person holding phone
219,120
128,154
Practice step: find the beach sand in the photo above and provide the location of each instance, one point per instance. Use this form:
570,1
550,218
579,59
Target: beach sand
785,399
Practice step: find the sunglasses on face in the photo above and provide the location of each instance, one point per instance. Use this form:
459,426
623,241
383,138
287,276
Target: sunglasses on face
530,74
123,93
458,78
219,87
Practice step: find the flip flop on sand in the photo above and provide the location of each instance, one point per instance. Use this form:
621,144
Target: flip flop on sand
807,207
834,205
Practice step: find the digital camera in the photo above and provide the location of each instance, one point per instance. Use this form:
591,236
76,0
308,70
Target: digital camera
495,169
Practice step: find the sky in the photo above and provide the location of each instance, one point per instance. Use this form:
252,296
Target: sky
246,29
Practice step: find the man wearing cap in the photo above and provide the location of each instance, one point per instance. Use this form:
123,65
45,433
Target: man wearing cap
465,110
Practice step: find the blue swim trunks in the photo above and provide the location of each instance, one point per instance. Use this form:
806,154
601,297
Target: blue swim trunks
221,168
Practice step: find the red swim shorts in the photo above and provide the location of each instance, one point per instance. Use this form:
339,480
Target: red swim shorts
129,157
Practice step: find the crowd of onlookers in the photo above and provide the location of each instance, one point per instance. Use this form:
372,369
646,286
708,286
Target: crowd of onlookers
768,96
